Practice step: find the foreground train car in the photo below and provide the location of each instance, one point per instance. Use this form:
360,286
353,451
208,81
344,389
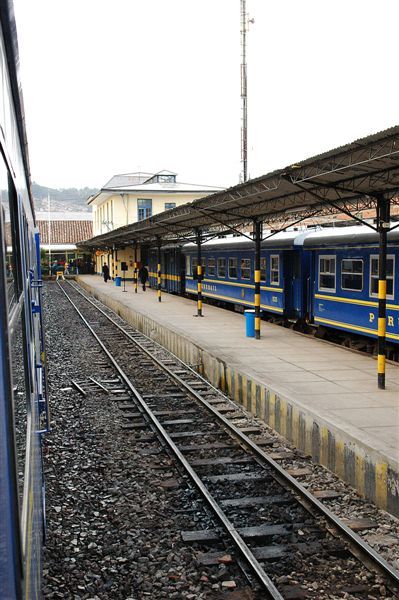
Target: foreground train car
22,377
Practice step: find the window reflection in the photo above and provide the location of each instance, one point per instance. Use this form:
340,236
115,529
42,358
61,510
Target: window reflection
20,398
8,238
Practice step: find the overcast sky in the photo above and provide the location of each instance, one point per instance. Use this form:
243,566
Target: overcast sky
115,87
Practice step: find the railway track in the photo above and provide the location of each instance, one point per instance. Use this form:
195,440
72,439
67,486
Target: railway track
287,542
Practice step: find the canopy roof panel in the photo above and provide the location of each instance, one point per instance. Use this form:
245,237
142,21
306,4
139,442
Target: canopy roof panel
347,179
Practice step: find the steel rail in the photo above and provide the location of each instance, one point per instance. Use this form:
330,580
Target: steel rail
359,547
78,387
238,541
99,385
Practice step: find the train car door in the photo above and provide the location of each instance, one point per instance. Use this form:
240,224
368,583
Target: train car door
297,283
181,260
292,283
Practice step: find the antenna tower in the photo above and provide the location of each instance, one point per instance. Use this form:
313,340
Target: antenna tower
244,92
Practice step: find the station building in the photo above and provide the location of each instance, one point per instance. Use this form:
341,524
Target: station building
132,197
59,234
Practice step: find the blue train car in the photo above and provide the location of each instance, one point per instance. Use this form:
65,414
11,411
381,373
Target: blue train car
228,268
23,407
344,280
328,278
172,269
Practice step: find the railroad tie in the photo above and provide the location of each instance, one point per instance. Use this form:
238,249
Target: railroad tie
259,531
247,501
238,477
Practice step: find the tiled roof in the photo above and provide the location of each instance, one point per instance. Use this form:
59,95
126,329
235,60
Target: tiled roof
65,232
70,215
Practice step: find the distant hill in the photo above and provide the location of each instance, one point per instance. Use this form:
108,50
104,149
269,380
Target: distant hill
68,199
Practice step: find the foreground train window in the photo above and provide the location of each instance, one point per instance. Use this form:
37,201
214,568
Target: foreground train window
5,209
352,275
327,273
374,263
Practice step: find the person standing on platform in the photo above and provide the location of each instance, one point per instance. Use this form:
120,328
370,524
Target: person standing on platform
106,273
54,267
143,274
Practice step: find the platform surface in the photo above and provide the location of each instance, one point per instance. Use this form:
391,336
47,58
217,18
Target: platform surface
328,380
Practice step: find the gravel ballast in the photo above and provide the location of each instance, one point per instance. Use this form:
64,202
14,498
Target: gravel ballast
116,507
113,516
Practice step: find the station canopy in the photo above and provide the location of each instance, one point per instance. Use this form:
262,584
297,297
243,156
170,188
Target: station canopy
346,180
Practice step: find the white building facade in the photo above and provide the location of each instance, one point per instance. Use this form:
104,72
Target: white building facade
132,197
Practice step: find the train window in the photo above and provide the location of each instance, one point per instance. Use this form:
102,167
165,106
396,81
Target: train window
188,266
352,274
274,269
233,268
194,265
8,241
263,269
327,273
11,251
245,268
211,267
194,262
221,267
374,261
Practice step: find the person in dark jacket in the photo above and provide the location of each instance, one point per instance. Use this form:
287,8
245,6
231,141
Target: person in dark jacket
106,273
143,274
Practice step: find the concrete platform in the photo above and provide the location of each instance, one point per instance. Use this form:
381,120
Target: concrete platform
321,397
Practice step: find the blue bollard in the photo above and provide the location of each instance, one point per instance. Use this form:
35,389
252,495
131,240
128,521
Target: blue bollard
118,281
249,322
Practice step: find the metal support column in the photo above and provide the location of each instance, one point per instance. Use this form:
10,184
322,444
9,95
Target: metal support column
383,216
135,277
116,262
258,239
199,274
159,274
113,263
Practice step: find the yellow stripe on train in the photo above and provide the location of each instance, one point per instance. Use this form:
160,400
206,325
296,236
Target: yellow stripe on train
373,332
353,301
